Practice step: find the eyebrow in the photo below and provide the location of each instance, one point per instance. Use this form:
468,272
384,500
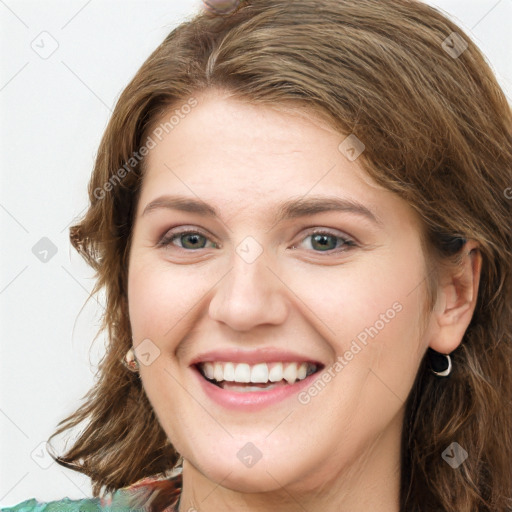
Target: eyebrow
291,209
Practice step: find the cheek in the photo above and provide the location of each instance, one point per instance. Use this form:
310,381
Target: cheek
147,296
383,319
158,298
350,299
369,315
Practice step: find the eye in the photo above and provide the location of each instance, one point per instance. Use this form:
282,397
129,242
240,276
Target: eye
188,240
327,242
321,241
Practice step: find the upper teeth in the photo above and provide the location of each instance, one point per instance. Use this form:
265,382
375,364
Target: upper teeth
261,372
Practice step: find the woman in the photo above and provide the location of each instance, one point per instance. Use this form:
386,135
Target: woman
300,213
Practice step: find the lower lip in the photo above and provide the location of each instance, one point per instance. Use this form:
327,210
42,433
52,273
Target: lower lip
251,400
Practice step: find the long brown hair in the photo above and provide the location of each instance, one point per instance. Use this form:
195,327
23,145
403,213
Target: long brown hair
437,132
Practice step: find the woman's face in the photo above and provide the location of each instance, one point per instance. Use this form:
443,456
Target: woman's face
251,292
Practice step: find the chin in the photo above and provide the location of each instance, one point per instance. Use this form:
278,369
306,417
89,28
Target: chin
233,468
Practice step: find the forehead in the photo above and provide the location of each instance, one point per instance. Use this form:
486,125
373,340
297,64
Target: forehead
223,132
229,152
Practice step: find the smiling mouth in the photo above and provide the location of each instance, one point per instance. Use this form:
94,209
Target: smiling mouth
244,377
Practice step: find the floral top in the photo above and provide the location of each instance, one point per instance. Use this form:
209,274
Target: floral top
147,495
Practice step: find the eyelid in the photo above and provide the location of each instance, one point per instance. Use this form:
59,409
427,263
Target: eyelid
328,231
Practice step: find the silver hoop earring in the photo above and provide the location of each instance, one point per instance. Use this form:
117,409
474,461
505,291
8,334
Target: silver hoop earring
440,364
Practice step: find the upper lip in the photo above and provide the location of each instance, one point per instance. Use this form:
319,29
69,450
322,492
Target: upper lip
265,355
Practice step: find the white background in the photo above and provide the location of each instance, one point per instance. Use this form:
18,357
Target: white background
53,114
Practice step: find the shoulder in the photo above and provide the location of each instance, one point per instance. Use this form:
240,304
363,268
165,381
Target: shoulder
151,494
66,504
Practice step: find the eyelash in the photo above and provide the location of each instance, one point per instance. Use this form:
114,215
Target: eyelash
347,242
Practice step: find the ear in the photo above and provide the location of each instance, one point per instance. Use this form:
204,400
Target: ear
456,301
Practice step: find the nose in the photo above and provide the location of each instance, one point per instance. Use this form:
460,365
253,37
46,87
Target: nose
249,295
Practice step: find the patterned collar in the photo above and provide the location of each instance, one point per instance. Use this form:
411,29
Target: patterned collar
149,494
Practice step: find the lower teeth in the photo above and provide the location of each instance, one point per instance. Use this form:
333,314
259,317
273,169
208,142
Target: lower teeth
246,388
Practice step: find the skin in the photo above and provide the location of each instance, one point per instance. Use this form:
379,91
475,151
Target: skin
340,451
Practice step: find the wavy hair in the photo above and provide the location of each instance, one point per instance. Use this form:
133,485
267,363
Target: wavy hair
437,131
